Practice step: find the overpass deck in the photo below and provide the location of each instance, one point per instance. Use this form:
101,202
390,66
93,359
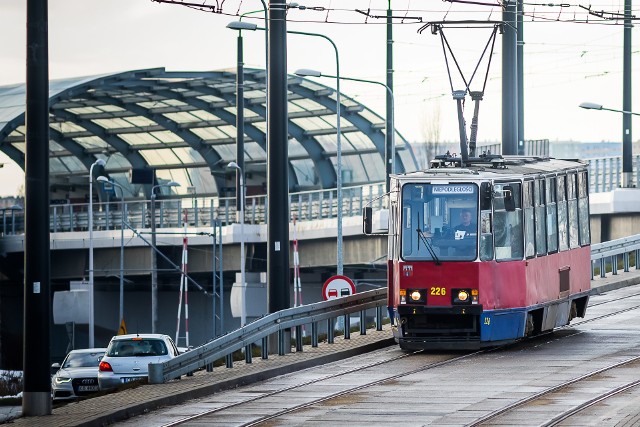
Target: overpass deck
114,407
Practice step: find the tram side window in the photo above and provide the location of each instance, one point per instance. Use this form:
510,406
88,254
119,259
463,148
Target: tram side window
563,220
583,208
552,214
529,221
540,216
572,204
486,236
508,227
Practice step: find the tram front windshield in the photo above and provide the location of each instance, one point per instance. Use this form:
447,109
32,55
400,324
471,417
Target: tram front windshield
439,222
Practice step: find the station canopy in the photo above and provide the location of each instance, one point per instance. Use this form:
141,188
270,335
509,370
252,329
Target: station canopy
182,127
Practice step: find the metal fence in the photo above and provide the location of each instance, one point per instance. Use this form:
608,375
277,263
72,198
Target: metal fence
605,174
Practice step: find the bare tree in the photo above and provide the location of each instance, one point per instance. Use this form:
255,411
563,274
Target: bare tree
431,135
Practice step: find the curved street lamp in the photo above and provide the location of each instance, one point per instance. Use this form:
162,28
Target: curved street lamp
99,162
104,179
390,141
154,260
243,288
627,157
239,25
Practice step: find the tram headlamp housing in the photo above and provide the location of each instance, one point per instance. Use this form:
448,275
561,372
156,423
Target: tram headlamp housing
464,296
413,296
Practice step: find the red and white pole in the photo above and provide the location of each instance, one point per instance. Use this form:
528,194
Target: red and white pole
184,286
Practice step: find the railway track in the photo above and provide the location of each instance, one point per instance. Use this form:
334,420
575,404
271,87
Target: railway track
345,377
559,400
279,401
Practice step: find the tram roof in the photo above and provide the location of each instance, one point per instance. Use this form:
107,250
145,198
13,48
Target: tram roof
514,166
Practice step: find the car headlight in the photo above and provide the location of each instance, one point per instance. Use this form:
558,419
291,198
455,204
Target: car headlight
61,380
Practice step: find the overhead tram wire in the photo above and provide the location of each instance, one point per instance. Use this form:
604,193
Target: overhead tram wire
410,16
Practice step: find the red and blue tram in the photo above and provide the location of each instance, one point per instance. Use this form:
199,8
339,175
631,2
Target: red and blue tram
486,253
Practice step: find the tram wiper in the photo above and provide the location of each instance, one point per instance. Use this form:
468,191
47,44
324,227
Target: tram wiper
428,244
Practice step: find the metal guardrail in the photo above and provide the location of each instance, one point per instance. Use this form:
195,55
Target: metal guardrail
602,254
606,254
278,322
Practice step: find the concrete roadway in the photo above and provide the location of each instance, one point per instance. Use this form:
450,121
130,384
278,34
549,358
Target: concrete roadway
111,408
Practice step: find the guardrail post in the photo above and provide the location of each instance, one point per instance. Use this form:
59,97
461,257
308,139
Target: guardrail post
593,267
347,327
363,325
155,373
265,348
637,255
209,367
314,334
378,318
229,360
330,331
625,258
298,338
614,265
247,354
603,266
280,342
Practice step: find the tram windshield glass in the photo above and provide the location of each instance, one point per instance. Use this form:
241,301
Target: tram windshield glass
440,222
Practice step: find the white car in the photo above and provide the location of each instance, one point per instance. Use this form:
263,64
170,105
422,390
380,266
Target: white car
128,357
78,375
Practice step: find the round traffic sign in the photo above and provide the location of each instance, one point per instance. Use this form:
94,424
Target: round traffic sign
337,286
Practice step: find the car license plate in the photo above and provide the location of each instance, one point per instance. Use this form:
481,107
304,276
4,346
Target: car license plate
129,379
88,388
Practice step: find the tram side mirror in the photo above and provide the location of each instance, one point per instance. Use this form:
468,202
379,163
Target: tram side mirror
485,196
367,214
509,202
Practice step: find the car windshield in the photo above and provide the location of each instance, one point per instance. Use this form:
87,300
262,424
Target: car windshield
137,347
83,360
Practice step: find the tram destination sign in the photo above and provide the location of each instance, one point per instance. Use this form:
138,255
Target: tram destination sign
452,189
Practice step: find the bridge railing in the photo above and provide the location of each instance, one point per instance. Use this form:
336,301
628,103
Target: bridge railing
201,212
276,323
606,255
605,173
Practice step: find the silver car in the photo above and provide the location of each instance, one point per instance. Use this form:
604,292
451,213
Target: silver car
78,375
128,357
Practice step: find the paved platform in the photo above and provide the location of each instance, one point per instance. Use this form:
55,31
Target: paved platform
113,407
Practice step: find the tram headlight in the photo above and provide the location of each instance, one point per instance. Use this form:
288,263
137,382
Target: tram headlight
464,296
416,296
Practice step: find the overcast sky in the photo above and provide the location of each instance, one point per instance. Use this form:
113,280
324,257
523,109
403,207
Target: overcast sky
566,63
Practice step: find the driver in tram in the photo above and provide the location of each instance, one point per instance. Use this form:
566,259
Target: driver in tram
466,226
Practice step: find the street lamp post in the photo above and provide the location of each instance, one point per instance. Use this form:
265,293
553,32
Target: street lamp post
99,162
243,313
390,142
154,259
115,184
239,25
627,155
339,260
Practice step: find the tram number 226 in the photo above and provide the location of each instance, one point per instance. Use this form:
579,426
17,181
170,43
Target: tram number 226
436,290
